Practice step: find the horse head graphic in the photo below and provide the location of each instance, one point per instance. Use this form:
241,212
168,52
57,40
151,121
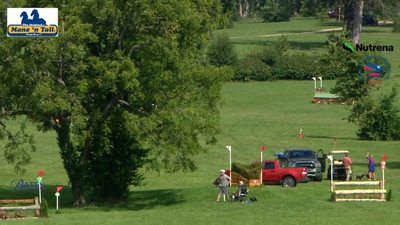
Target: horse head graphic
25,20
36,19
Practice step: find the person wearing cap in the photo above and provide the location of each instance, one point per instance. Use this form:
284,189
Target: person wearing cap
347,165
223,183
371,166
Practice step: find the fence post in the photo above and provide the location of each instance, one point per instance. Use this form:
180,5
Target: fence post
333,189
37,212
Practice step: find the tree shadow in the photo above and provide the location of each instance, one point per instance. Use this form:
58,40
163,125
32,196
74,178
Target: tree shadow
138,200
142,200
331,24
393,165
373,31
294,45
328,137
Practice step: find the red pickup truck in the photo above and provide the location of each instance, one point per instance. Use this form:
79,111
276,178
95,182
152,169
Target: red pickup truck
274,173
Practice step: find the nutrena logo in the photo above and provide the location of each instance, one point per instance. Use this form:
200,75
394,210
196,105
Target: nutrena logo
365,48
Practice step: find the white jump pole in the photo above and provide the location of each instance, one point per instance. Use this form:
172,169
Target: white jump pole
315,84
331,160
230,163
262,148
320,85
383,179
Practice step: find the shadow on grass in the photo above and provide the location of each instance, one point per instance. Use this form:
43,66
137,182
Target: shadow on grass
328,137
331,24
373,31
141,200
138,200
294,45
30,191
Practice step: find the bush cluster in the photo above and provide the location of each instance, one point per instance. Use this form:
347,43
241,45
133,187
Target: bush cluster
270,63
251,171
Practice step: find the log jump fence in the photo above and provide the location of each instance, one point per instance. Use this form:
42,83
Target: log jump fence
34,201
362,195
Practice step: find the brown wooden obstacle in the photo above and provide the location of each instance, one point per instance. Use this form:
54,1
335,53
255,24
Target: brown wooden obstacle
35,207
236,178
361,195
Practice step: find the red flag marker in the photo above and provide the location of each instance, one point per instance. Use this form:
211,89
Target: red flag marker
301,133
40,173
334,139
262,148
384,157
59,189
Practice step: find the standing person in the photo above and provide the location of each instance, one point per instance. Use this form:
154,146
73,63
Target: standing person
371,166
223,182
347,165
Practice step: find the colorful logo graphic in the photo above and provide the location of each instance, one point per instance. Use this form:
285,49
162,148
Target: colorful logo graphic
374,69
41,22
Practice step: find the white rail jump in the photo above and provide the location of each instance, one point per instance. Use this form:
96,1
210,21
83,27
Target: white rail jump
358,194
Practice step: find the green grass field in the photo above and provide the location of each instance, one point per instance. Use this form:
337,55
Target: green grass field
264,113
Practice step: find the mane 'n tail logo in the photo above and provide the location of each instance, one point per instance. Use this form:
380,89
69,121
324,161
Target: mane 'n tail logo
32,22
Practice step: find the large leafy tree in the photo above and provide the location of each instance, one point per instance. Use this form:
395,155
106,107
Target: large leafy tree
122,86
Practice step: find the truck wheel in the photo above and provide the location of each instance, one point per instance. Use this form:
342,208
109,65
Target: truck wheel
288,182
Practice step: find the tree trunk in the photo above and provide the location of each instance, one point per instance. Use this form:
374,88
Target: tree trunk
353,19
247,9
240,10
355,33
71,163
77,187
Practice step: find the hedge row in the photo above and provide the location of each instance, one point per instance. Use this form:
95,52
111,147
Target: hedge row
285,67
251,171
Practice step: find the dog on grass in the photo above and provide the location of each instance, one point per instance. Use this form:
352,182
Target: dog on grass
361,176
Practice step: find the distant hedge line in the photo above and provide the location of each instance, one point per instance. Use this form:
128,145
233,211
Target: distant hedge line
286,67
270,62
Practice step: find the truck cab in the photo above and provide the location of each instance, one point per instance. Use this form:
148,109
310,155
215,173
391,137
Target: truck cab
303,157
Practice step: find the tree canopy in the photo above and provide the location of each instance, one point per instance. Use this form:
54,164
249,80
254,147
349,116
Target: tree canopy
122,86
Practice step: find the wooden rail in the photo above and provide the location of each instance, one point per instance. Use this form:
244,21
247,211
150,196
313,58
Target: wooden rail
35,207
359,194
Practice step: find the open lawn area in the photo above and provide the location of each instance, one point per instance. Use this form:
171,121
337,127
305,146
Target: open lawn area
255,114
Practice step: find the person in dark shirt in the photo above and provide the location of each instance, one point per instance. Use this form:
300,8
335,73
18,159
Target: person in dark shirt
242,188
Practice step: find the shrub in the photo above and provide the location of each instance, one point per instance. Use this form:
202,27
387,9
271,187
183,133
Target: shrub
251,67
277,11
396,26
377,120
221,52
44,208
333,197
251,171
389,195
302,67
